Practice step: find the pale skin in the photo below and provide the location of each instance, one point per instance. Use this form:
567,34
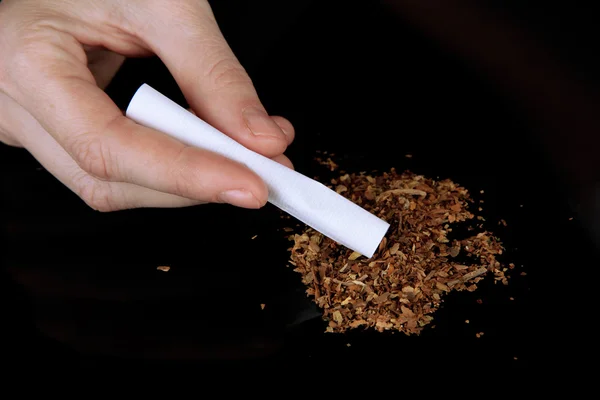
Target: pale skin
57,56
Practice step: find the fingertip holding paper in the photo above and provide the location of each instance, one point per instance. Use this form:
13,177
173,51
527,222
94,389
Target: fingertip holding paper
309,201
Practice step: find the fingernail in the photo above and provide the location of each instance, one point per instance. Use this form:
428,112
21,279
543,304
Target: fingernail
259,122
286,133
240,198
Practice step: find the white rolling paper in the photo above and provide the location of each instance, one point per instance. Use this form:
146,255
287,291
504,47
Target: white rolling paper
305,199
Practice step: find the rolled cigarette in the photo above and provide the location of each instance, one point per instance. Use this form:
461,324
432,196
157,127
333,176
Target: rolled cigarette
303,198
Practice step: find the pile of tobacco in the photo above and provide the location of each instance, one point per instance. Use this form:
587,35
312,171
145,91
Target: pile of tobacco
404,283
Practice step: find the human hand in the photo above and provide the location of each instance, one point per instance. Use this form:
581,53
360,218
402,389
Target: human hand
57,57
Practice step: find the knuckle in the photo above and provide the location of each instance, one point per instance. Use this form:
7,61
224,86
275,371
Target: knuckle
15,64
30,58
187,176
25,59
97,195
93,155
227,72
183,186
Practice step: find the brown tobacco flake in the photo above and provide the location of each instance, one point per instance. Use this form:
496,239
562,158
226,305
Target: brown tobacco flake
163,268
417,263
328,162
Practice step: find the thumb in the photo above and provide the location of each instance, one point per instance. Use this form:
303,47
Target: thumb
215,84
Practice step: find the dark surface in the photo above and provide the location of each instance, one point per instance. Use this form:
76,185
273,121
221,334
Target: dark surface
370,87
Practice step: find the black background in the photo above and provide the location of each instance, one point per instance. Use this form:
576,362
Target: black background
369,82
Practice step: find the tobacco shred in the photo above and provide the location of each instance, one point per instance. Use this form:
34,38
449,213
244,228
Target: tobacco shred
416,265
328,162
